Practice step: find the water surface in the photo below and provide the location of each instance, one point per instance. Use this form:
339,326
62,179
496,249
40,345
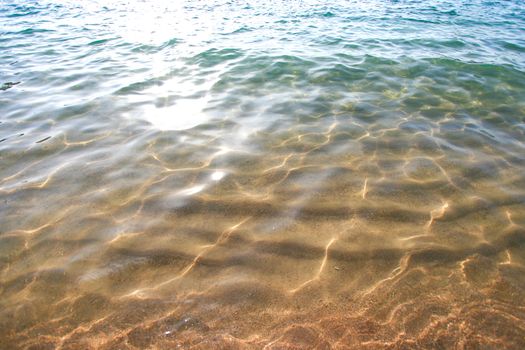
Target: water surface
262,174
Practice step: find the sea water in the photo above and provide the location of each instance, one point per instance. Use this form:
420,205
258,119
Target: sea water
262,174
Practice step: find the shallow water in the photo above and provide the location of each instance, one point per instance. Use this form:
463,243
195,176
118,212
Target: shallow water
262,174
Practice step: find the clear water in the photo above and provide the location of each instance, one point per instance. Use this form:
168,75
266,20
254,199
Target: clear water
262,174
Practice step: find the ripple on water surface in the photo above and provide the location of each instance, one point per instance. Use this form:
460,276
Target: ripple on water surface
262,175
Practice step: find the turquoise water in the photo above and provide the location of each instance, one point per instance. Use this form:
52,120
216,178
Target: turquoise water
262,174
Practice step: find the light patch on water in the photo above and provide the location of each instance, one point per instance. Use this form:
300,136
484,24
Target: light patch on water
184,114
217,175
192,190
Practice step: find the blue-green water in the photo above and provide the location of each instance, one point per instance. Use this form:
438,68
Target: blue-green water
262,174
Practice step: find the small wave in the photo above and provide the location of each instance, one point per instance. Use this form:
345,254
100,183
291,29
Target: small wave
99,42
30,31
213,57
